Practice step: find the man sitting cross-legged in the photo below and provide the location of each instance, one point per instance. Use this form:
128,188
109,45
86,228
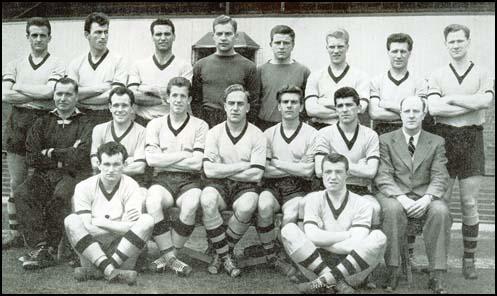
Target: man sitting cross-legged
336,221
175,147
107,228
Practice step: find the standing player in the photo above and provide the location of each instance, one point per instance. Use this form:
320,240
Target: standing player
322,84
122,129
235,155
289,167
58,147
98,71
337,223
27,85
107,219
281,70
388,89
213,74
358,143
148,78
458,95
175,146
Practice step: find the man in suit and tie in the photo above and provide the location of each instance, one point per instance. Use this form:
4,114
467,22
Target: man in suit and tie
412,178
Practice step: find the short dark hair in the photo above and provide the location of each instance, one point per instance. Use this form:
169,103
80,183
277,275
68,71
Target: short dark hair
233,88
121,90
224,19
335,158
162,21
96,17
455,28
346,92
292,89
39,22
67,80
282,29
112,148
400,38
420,98
179,82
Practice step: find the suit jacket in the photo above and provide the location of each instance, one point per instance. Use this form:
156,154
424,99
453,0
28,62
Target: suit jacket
425,174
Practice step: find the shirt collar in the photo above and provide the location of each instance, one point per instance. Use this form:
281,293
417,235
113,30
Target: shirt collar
74,113
416,137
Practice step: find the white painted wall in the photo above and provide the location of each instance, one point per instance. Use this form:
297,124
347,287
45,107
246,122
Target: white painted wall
131,38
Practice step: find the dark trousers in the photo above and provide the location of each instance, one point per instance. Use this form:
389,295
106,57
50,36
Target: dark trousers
43,201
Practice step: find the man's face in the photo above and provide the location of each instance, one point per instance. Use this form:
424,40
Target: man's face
98,36
399,55
334,175
163,37
457,44
236,107
179,99
65,97
111,167
282,46
347,110
224,37
412,113
290,106
38,38
121,108
337,49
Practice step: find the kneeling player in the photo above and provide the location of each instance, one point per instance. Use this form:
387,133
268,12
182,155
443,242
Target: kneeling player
175,146
107,229
289,162
336,221
235,153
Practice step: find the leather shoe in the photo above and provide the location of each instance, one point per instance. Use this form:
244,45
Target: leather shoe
469,269
436,286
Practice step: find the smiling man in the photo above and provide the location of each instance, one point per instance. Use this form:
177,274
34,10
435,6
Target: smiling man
57,146
213,74
458,96
148,78
175,148
123,130
281,70
27,85
337,242
98,71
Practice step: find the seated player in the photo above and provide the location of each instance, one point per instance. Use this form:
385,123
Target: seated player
175,147
57,148
107,228
337,223
235,155
123,130
357,142
289,167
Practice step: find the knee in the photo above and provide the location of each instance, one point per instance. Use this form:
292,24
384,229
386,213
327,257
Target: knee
265,206
391,208
190,205
439,209
245,210
152,201
208,200
379,238
146,222
72,221
289,232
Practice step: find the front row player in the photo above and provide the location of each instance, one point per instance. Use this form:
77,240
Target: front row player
336,221
107,228
235,155
175,148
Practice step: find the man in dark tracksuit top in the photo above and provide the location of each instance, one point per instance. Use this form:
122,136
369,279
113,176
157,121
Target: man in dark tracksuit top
58,147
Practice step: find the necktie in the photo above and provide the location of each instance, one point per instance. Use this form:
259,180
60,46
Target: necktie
411,146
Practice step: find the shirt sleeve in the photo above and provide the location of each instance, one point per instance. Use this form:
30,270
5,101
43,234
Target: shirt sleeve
487,83
269,141
58,71
134,197
373,148
362,86
375,88
10,72
309,149
312,210
321,144
134,78
422,87
121,73
258,153
363,216
434,86
82,199
139,154
73,69
311,88
96,140
152,134
211,152
200,135
187,72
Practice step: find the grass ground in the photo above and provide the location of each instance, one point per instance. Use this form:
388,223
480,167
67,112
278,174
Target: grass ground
59,279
